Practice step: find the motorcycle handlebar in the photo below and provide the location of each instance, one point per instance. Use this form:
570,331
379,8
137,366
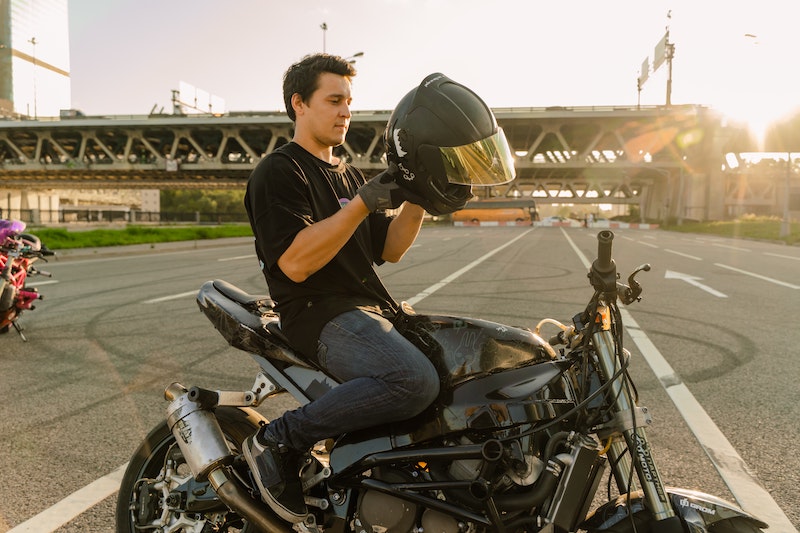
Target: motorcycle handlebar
603,274
604,262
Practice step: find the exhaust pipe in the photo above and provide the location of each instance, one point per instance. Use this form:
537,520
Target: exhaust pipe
238,500
206,451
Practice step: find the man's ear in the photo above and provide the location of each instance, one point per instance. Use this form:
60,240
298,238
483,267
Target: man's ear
297,103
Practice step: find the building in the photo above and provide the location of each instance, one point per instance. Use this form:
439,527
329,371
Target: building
34,58
35,84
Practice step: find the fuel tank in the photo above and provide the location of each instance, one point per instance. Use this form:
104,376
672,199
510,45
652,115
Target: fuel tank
492,376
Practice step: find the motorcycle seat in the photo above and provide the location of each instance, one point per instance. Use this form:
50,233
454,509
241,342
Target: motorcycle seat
247,321
250,301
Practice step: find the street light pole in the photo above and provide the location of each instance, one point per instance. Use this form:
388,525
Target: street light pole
324,27
352,58
785,223
32,40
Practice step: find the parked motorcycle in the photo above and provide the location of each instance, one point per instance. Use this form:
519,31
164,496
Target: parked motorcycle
517,441
18,253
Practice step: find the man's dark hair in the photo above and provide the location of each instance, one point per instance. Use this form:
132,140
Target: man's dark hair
303,77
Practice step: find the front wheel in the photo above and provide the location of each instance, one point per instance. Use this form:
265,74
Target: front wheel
158,489
643,520
697,512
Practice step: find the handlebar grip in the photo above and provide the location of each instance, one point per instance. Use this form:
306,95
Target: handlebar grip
604,262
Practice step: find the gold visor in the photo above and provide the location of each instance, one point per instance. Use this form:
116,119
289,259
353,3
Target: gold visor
485,162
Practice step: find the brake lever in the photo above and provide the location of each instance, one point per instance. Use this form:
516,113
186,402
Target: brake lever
630,293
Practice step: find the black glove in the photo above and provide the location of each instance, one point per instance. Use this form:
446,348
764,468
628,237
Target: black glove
383,191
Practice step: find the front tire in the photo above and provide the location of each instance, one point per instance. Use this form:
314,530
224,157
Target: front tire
644,521
136,504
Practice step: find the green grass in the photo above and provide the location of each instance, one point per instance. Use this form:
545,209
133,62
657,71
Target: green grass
62,239
746,227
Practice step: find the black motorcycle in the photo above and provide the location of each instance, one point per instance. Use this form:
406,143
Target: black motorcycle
517,441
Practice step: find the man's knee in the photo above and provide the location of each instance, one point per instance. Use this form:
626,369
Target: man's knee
422,391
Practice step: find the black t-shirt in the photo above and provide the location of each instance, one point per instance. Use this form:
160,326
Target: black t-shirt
289,190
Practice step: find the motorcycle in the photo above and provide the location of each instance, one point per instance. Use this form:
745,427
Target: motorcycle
518,440
18,253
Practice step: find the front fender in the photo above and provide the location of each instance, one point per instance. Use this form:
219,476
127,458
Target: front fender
697,510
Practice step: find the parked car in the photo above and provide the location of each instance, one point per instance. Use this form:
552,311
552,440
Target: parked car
557,220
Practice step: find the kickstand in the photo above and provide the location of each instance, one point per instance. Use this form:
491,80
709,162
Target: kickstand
19,330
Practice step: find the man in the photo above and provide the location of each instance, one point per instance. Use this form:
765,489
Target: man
320,228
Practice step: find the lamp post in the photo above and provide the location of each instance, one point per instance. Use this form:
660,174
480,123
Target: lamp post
785,222
33,42
324,28
352,58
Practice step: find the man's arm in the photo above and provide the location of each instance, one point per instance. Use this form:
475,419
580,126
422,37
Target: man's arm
315,245
403,231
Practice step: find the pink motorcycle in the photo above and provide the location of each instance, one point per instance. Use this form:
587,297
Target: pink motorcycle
18,252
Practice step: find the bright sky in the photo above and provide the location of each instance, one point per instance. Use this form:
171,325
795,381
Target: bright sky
127,55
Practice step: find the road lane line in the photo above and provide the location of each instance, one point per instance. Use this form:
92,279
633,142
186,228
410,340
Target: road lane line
170,297
436,286
238,257
737,248
759,276
683,254
747,491
73,505
783,256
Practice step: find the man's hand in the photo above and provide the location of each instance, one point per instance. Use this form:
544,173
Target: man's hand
383,192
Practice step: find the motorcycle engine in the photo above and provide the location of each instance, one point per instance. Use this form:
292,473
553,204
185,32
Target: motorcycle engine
524,470
385,513
379,512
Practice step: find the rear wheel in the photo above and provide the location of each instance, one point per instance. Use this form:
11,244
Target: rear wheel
150,493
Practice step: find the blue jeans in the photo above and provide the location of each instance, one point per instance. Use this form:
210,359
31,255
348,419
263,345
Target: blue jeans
384,378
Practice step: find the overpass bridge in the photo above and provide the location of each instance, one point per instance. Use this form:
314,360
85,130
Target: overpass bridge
667,160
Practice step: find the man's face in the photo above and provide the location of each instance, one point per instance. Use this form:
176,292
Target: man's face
326,115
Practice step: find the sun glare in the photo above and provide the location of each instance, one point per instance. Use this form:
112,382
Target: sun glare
760,91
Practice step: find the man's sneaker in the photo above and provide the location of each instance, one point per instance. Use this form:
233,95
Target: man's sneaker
274,468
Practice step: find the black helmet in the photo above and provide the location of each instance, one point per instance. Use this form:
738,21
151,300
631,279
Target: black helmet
445,139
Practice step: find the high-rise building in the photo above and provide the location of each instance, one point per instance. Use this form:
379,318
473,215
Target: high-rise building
34,58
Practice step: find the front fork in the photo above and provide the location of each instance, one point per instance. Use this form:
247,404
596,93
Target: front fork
629,422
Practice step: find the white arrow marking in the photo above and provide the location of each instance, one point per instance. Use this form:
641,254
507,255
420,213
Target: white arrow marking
693,280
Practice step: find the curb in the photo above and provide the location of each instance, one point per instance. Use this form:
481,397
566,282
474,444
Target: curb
71,254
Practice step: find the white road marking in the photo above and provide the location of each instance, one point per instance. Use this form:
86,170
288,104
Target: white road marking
693,280
76,503
759,276
436,286
170,297
737,248
238,257
783,256
747,491
683,254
